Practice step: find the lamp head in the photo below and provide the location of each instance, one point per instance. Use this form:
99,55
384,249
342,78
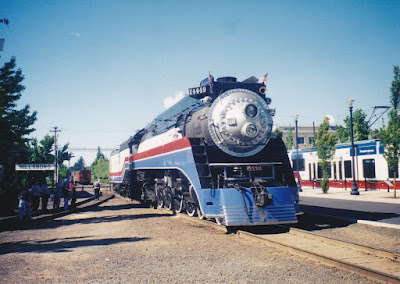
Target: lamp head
350,102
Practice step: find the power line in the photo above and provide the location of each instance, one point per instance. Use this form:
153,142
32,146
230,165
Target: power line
92,149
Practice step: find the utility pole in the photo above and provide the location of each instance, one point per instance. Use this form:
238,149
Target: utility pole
55,153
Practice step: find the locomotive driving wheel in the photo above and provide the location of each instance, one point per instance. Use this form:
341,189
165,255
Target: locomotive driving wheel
160,199
191,208
178,205
168,199
199,213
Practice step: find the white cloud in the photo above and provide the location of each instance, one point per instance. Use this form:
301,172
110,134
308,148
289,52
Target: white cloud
75,34
171,100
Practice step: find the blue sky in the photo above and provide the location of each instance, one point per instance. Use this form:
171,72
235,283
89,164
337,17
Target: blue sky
99,70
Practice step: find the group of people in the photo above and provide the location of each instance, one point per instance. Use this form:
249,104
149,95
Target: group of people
29,199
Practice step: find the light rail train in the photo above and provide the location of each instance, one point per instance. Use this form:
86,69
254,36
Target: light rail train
212,154
371,168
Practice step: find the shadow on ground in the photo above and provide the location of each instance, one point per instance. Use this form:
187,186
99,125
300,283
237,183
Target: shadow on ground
60,245
346,213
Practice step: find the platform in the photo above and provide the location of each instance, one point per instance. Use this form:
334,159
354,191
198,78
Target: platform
372,207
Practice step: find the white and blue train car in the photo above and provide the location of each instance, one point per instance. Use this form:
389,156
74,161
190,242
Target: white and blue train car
370,166
212,154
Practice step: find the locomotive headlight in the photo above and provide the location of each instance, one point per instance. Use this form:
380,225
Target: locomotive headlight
251,130
251,111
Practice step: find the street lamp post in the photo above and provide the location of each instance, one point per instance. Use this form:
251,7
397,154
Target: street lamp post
296,118
354,188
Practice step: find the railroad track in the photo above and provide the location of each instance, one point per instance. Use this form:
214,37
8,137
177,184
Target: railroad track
373,262
370,261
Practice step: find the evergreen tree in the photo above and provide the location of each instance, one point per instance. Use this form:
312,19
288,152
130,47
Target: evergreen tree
326,148
79,165
15,126
390,134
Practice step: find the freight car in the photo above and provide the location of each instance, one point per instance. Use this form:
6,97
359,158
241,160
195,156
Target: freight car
212,154
82,177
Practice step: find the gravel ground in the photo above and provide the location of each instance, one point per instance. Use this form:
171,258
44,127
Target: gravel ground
386,238
119,242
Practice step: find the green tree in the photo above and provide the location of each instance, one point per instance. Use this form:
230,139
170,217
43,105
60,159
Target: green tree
79,165
42,153
278,133
99,167
326,148
15,126
360,127
390,134
289,139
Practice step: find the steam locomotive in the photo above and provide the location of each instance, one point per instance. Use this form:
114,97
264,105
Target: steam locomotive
212,154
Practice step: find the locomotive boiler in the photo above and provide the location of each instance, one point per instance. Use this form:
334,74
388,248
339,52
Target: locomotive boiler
212,154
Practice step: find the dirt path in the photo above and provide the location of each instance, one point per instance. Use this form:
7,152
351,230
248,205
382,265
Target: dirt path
119,242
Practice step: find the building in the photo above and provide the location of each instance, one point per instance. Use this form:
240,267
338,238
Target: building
305,134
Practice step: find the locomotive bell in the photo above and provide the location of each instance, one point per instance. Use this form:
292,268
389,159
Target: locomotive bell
240,122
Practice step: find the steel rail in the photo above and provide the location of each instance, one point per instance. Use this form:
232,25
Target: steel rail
372,273
329,260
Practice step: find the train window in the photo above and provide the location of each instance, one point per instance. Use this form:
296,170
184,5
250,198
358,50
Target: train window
391,173
309,172
340,171
369,168
300,140
314,175
301,165
334,171
347,169
320,173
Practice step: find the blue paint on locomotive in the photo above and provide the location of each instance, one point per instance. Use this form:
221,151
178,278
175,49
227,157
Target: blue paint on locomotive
226,203
236,212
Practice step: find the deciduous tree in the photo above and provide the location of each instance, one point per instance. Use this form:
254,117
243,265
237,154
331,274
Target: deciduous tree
326,148
99,167
360,127
390,134
289,139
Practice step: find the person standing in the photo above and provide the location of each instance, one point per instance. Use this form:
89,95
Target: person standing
45,192
35,194
65,193
57,196
97,186
24,207
72,189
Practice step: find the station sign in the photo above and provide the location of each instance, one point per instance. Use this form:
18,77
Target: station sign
362,150
35,167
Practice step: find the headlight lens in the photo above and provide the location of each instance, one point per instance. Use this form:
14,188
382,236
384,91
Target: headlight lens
251,130
251,111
